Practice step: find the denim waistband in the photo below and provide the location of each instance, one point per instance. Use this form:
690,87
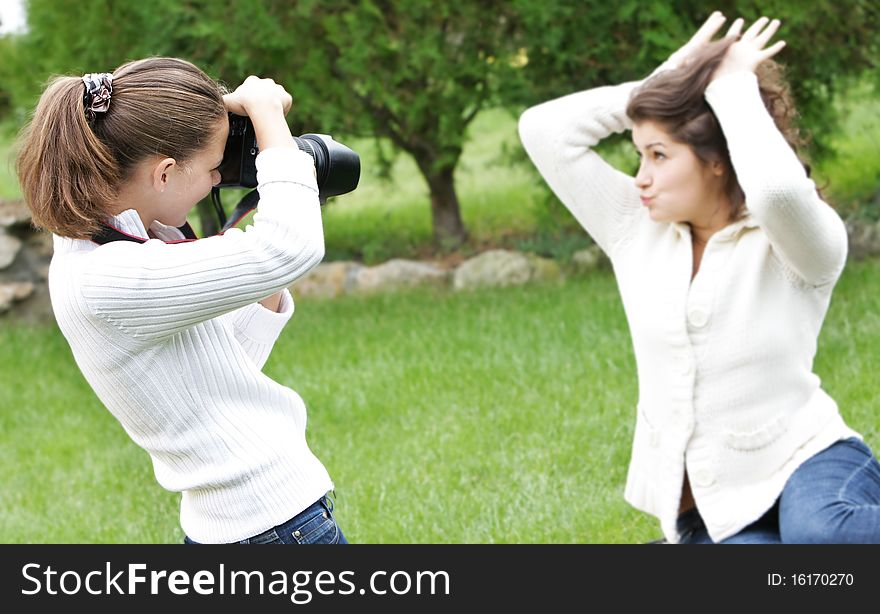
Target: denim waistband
324,504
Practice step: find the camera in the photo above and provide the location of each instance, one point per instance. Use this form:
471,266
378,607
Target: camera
338,167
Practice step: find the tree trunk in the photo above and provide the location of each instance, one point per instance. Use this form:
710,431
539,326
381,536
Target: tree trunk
449,230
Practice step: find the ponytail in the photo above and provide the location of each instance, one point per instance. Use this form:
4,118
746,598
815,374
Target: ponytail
68,176
73,161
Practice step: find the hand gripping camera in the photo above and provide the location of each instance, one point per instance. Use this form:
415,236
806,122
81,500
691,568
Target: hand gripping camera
338,168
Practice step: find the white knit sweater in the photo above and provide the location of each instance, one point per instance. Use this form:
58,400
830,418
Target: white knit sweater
726,387
172,340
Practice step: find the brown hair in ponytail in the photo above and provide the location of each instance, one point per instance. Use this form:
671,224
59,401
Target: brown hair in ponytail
71,166
675,100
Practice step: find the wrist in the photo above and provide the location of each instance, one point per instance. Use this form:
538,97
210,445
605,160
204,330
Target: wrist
271,130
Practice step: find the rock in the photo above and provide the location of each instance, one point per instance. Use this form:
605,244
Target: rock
397,274
864,238
497,268
328,280
42,244
13,212
543,269
493,268
15,291
9,247
587,260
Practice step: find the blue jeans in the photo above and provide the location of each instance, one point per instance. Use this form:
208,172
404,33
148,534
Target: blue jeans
833,498
313,525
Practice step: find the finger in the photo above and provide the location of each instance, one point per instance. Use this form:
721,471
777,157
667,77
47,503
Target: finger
756,27
709,28
764,37
286,100
772,50
233,105
736,28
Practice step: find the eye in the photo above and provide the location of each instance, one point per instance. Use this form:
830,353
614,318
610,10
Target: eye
658,155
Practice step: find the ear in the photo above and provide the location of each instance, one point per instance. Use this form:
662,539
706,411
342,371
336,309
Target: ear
717,168
161,174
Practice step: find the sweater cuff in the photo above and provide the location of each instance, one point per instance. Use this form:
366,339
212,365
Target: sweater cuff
732,84
286,164
262,325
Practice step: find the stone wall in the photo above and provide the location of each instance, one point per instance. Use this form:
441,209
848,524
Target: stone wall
24,264
25,254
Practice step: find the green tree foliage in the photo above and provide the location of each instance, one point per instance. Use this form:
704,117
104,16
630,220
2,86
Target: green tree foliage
418,72
577,45
411,71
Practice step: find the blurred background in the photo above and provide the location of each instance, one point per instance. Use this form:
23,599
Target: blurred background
473,411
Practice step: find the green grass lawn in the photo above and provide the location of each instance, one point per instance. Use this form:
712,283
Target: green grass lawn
493,416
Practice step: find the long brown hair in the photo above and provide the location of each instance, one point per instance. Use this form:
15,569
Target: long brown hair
71,165
675,100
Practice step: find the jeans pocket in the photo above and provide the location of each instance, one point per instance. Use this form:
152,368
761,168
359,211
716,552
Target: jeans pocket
319,529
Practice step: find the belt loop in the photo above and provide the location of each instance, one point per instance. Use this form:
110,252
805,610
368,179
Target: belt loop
329,500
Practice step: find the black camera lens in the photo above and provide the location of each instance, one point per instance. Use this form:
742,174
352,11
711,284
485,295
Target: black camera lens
338,168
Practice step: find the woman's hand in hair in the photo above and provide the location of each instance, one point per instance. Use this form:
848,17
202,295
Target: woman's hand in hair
709,28
751,49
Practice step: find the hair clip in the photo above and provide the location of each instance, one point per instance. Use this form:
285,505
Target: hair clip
99,87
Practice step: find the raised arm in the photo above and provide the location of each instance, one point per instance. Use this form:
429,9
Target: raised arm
157,289
805,232
560,135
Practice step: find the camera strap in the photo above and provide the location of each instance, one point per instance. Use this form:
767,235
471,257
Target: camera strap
248,203
108,234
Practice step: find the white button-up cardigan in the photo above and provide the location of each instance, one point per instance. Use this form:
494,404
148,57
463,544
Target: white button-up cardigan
726,386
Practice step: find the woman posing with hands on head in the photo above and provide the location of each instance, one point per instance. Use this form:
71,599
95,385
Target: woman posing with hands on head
725,256
172,334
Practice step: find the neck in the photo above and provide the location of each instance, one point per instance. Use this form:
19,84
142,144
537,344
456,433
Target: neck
703,229
133,199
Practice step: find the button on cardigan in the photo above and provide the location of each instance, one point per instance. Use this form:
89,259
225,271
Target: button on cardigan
725,361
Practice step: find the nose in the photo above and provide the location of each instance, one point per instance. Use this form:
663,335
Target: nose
643,178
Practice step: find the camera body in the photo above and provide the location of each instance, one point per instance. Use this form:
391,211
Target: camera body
338,168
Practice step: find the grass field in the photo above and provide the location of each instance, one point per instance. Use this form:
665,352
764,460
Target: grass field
493,416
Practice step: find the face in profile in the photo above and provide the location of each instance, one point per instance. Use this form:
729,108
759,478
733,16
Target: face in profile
674,184
192,180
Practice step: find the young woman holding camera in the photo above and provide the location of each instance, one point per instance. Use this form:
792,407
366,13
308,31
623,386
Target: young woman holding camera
726,257
172,334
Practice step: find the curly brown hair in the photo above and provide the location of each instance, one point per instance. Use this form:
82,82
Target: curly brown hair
675,99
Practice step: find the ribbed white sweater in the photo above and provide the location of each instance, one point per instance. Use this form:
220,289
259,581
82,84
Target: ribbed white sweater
726,387
172,340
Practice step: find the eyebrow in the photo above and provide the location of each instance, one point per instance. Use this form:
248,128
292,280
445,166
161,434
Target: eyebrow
650,145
